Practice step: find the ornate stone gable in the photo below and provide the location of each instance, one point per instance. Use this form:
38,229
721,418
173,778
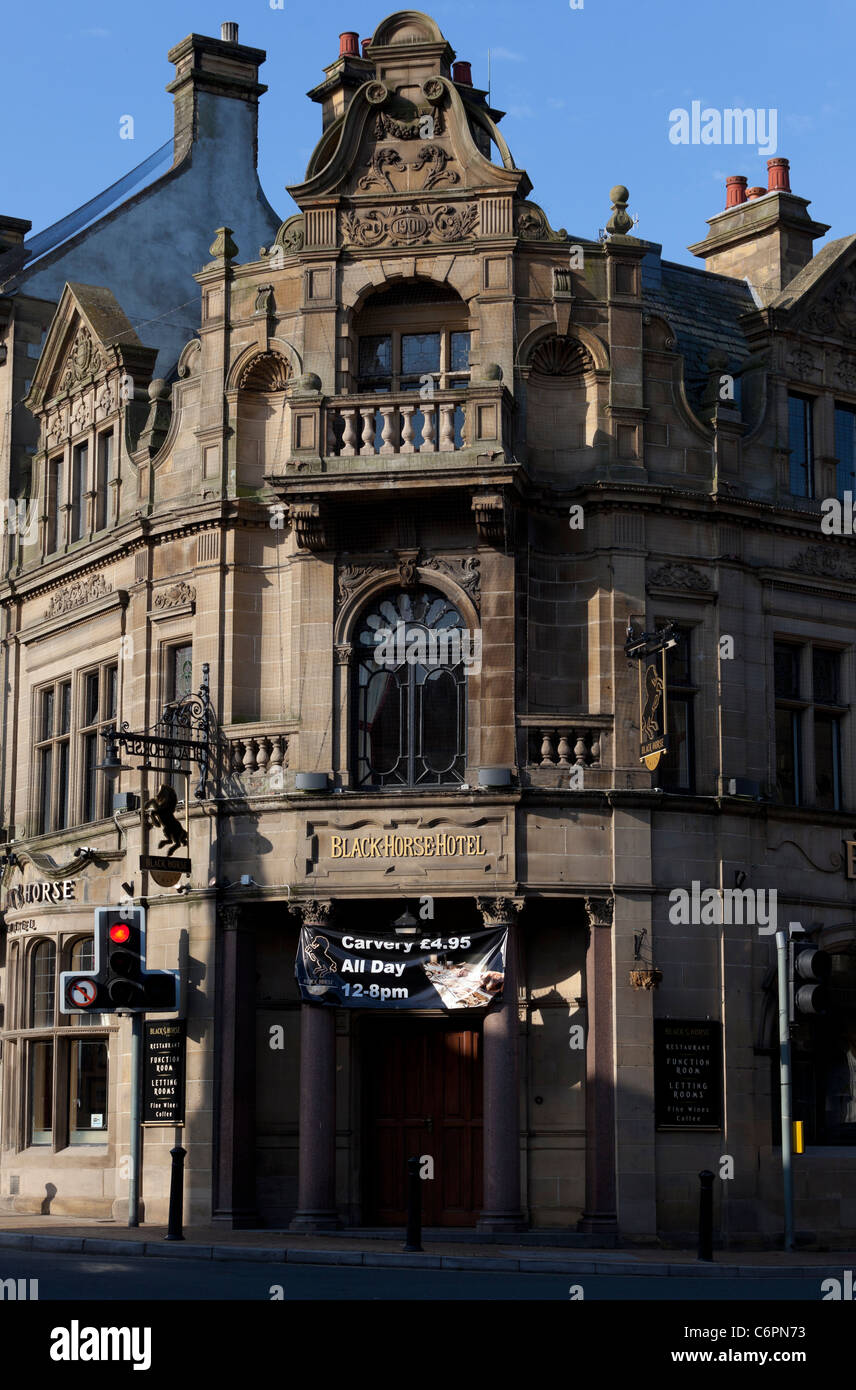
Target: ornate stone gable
834,313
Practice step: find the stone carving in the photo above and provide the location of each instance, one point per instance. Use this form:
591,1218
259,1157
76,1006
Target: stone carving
80,414
75,595
436,158
84,360
407,576
265,302
377,94
308,522
387,128
462,570
57,427
680,577
315,912
600,911
434,88
560,357
498,912
846,373
410,225
380,161
267,371
293,235
351,577
106,400
489,512
179,595
835,312
802,363
825,564
532,224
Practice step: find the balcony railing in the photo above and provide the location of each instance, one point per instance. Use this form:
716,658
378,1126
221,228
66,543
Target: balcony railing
365,426
254,761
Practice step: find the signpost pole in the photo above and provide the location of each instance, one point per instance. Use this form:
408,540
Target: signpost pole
785,1079
136,1130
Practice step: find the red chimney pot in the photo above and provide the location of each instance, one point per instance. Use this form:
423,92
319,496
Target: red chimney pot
778,175
755,192
349,45
735,190
463,73
366,45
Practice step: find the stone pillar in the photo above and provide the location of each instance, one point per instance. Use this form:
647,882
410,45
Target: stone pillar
316,1186
502,1210
236,1068
600,1214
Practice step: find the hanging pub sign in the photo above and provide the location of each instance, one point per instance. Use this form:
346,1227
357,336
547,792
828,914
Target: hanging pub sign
359,970
164,1050
687,1073
649,649
652,709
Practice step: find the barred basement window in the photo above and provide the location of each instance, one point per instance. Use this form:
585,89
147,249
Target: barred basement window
410,715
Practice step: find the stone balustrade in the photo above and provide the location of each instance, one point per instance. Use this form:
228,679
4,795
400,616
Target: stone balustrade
257,759
389,425
565,746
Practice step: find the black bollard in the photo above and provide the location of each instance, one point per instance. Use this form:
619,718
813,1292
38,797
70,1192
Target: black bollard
413,1241
705,1215
176,1195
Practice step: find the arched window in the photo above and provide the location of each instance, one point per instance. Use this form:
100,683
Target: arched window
413,650
42,974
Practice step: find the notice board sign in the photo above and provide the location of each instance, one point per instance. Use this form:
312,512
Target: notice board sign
164,1051
687,1073
352,970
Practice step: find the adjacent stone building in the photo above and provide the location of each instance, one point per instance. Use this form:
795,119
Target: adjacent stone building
422,405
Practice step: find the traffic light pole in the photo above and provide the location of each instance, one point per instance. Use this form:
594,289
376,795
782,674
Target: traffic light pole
785,1074
136,1129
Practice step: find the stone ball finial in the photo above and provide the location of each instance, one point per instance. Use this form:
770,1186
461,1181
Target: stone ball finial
223,245
620,223
159,390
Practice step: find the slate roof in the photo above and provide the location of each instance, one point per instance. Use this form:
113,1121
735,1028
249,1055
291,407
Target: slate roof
703,309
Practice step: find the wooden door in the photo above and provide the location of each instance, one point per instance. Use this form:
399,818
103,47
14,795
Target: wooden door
422,1089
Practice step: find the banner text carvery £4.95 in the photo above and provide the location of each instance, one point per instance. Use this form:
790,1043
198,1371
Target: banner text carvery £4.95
350,970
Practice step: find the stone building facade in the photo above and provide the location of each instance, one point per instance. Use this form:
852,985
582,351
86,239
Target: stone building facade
422,403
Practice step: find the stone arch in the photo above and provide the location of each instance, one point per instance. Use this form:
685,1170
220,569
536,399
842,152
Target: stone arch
407,26
593,345
271,364
377,585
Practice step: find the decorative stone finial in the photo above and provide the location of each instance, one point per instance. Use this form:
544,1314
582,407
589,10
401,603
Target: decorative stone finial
620,223
223,247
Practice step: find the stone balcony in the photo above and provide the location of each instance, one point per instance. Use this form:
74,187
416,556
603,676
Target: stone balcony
365,441
551,748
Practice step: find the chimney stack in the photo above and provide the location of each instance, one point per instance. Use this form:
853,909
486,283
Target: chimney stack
765,235
779,175
214,70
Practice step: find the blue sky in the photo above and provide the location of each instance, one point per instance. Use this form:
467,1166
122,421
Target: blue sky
588,94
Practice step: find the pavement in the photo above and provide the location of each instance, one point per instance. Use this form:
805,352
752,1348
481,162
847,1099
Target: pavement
442,1250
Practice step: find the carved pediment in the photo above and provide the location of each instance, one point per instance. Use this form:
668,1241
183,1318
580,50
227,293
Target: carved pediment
92,360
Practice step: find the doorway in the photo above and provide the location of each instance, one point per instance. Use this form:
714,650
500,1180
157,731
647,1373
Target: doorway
422,1096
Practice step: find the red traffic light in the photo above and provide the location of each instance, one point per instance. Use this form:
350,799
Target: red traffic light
119,932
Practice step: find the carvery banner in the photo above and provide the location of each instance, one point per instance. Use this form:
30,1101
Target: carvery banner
353,971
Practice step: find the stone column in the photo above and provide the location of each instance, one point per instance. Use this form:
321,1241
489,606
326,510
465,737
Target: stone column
502,1210
600,1214
316,1185
236,1069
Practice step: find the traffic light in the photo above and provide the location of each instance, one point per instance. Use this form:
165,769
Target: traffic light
119,980
810,970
